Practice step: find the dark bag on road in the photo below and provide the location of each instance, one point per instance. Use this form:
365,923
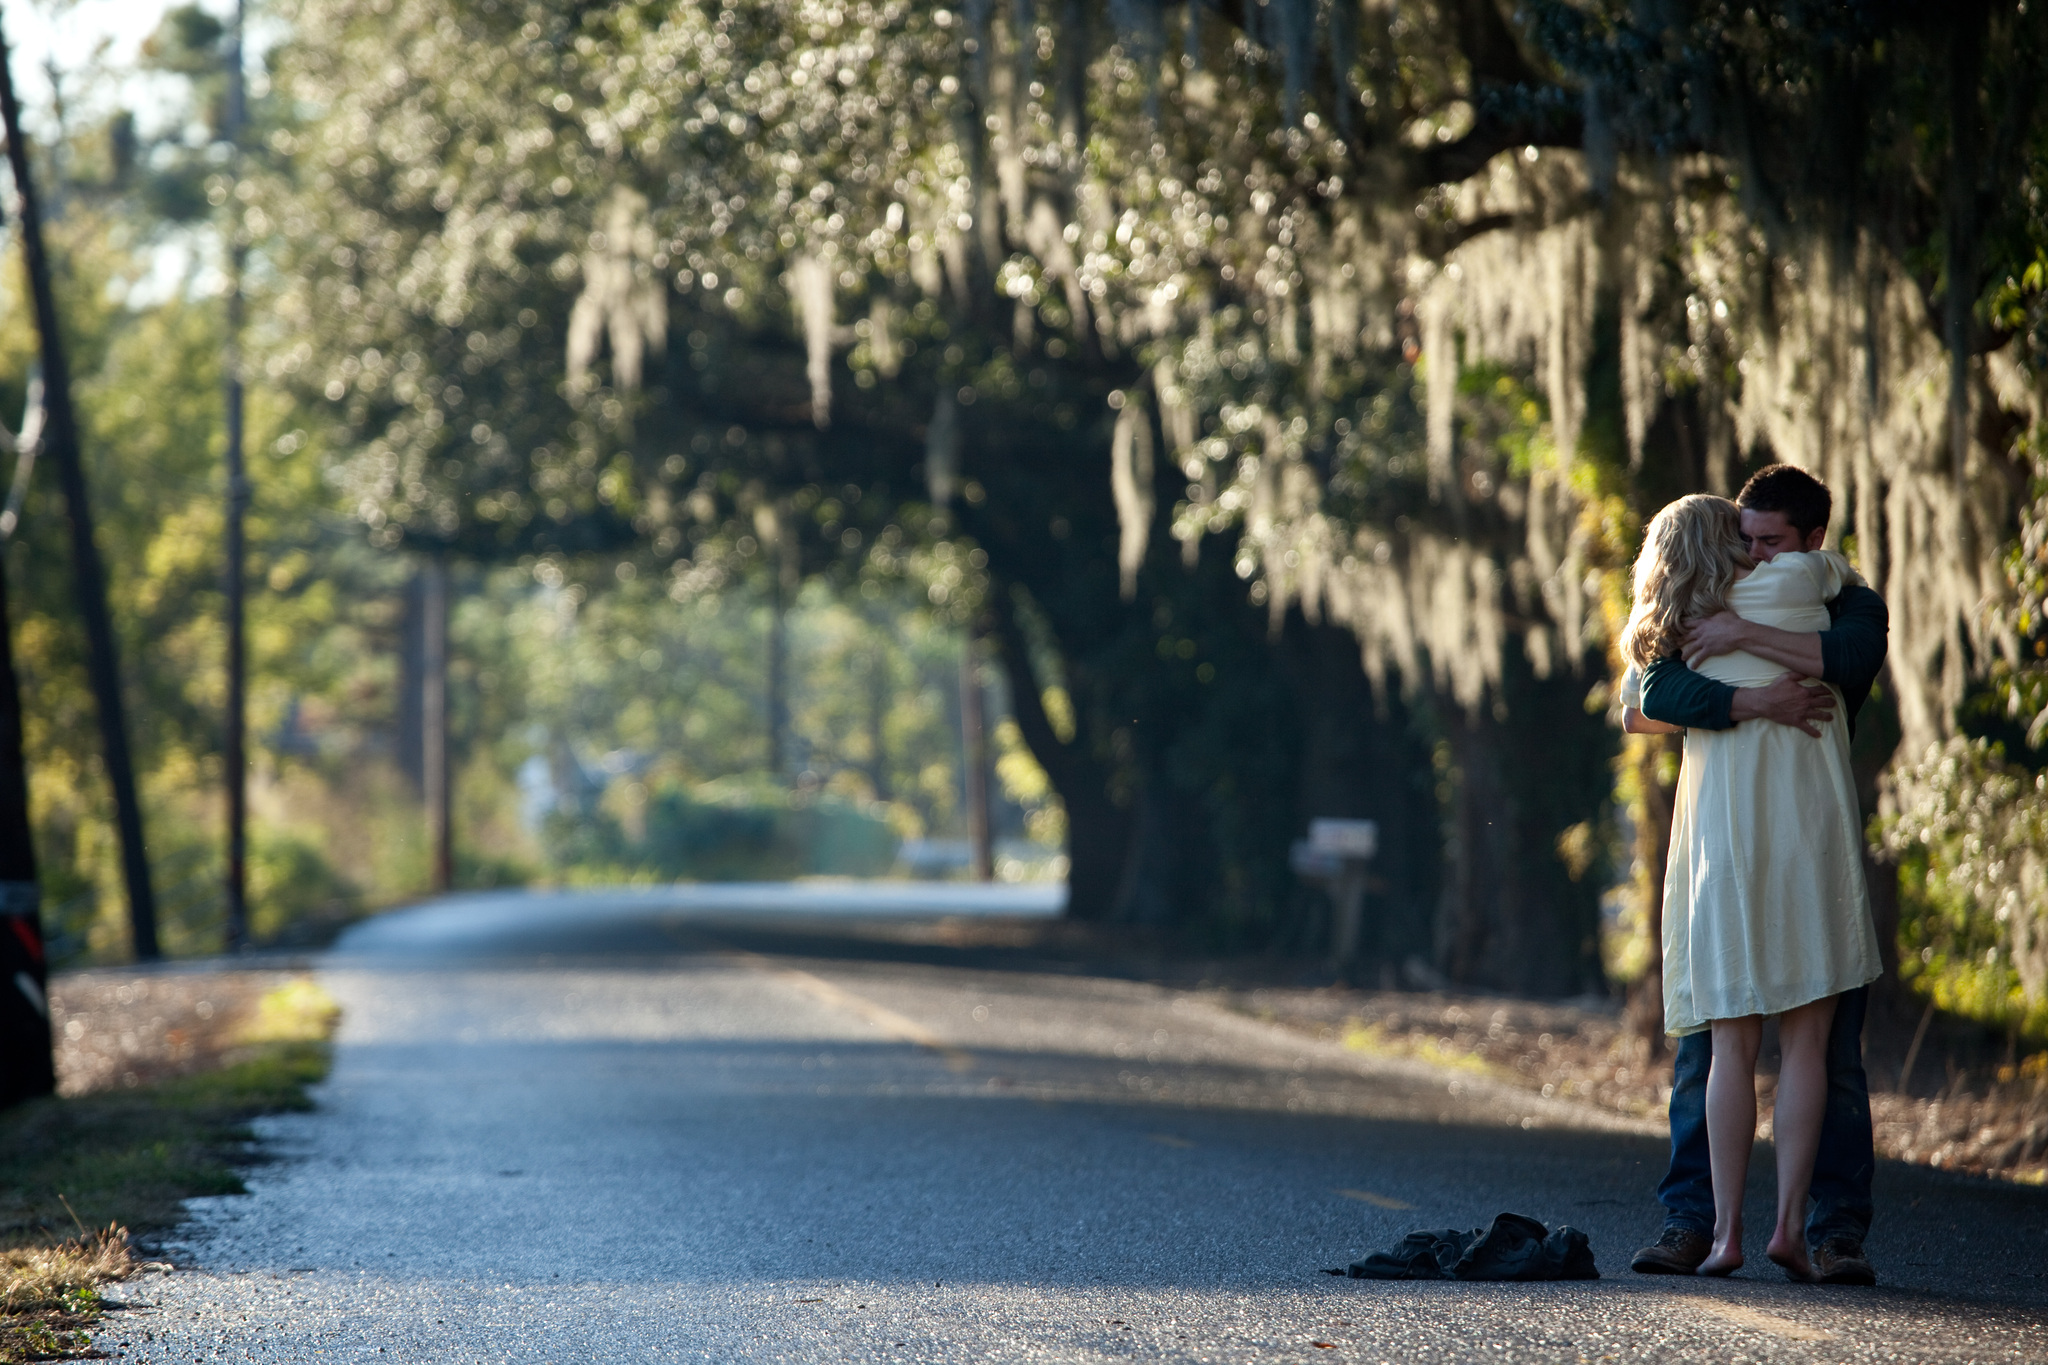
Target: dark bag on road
1512,1247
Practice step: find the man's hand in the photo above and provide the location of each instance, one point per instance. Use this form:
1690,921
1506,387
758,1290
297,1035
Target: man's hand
1788,701
1722,633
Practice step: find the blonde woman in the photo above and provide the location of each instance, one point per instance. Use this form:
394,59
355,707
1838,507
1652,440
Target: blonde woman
1765,910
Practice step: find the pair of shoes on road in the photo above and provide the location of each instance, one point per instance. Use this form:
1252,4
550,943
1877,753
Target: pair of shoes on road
1837,1260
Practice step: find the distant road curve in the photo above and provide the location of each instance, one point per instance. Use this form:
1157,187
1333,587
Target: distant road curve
487,917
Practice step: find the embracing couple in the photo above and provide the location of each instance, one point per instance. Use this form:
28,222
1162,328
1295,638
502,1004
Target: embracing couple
1760,646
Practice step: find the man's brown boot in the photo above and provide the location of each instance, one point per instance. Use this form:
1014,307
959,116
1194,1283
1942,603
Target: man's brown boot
1678,1252
1840,1260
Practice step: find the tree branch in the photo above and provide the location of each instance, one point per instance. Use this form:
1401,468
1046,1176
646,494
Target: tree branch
1027,703
1450,162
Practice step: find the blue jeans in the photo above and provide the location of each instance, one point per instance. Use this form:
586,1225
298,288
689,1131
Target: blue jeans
1840,1204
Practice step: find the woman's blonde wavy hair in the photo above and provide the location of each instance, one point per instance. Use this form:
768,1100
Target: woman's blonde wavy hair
1692,551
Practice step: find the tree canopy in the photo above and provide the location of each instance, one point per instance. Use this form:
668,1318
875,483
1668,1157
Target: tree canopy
1278,387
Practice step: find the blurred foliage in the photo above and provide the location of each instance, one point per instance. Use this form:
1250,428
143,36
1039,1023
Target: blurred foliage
149,392
1125,339
849,287
668,671
628,678
1969,829
1967,819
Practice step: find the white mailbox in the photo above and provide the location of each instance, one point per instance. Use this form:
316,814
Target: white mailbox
1345,838
1335,855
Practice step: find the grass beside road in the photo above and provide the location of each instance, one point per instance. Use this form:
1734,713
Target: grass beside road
100,1166
1969,1110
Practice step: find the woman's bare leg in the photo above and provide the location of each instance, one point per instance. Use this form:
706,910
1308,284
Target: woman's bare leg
1731,1129
1802,1099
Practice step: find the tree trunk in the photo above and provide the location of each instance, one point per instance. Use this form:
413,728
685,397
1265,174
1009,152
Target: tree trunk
783,554
234,762
1522,912
1965,73
1098,841
26,1069
1363,757
88,574
1165,879
878,724
1479,890
408,737
974,763
437,788
778,678
1098,830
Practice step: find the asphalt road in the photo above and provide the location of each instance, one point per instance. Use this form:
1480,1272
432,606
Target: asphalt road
662,1127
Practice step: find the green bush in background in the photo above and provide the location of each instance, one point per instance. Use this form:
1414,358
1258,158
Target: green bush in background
1969,829
722,833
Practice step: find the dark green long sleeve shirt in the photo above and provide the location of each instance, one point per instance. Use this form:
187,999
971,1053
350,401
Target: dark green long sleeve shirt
1852,653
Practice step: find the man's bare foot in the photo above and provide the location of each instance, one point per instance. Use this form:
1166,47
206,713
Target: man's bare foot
1722,1260
1790,1253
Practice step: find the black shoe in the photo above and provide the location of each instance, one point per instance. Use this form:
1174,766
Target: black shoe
1678,1252
1840,1260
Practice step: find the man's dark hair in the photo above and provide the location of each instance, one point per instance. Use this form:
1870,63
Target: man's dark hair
1790,491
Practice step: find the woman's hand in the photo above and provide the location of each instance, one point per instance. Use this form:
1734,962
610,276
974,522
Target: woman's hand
1636,723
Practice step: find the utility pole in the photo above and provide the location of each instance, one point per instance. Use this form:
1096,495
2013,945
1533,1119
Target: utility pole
234,759
434,776
778,678
26,1067
88,573
777,533
974,747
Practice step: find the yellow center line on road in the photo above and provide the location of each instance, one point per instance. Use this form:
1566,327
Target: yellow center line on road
1169,1140
891,1023
1758,1320
1378,1201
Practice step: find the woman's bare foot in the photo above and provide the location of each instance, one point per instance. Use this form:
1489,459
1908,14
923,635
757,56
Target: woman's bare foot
1790,1253
1724,1259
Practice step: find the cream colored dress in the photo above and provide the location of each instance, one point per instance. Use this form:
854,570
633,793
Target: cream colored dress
1764,903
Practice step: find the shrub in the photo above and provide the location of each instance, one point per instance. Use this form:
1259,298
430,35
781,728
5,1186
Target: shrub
1970,832
713,834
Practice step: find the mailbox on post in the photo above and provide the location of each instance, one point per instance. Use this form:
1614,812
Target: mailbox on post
1335,856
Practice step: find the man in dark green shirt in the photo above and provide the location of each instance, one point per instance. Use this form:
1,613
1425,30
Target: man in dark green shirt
1783,508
